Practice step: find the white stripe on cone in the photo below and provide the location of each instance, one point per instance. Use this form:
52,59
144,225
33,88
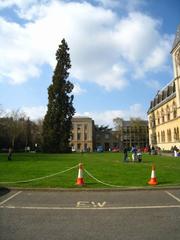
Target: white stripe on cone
80,180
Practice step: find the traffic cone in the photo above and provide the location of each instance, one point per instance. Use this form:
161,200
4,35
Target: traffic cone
153,180
80,180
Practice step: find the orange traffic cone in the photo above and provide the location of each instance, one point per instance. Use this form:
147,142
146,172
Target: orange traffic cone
80,180
153,180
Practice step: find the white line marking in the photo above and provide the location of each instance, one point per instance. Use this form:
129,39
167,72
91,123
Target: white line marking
90,208
14,195
170,194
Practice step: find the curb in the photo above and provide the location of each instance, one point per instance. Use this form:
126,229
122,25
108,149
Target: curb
83,189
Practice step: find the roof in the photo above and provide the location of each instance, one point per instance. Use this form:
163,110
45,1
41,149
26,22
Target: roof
177,38
81,118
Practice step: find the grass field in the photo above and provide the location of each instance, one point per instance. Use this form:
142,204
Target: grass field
106,167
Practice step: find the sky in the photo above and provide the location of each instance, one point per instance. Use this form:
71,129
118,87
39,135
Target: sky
119,50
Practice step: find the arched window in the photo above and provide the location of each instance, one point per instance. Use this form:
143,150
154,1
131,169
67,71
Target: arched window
158,117
169,135
152,121
168,113
162,136
164,139
174,109
175,135
177,131
158,137
162,115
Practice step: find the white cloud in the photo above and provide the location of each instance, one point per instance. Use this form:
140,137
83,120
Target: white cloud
77,90
128,5
100,118
34,113
106,117
103,48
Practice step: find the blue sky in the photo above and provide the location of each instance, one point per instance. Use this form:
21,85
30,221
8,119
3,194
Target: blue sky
120,54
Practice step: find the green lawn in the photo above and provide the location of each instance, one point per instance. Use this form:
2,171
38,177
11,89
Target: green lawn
106,167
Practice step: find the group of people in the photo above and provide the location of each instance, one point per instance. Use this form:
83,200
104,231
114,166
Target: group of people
176,151
136,154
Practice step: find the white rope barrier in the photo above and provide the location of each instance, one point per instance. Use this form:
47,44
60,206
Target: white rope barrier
107,184
40,178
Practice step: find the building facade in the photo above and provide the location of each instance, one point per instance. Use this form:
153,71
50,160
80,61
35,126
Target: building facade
128,134
82,137
87,137
164,111
132,133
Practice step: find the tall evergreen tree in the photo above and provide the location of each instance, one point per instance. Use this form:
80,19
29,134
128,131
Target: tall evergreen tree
57,122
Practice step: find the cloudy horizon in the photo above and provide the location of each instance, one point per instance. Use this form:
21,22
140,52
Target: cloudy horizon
116,48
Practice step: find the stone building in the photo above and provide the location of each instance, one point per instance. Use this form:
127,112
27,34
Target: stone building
164,111
128,133
82,138
88,137
132,133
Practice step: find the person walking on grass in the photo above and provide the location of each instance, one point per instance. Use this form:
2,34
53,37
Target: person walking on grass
125,151
134,153
10,154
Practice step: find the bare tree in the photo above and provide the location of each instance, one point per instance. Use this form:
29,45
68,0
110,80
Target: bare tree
118,123
15,125
1,111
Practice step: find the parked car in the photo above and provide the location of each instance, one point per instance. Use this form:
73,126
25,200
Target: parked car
115,149
100,149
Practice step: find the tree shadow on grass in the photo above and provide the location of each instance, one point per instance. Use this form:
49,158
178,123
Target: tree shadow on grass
4,191
164,183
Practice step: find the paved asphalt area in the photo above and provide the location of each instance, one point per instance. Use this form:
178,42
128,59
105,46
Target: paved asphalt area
86,215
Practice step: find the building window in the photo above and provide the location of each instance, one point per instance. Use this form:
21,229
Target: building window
169,135
162,115
78,146
106,136
78,136
168,116
162,136
158,137
152,121
158,119
85,136
85,127
174,110
85,147
174,113
153,138
168,113
177,136
79,127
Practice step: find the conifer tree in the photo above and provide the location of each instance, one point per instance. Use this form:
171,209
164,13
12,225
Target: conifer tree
57,123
